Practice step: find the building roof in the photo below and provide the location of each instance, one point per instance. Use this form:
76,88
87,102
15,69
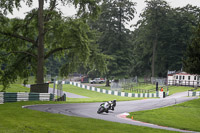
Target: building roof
179,73
184,73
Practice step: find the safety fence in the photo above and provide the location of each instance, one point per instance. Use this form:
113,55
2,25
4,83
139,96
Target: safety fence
184,83
24,96
63,82
193,93
140,90
118,93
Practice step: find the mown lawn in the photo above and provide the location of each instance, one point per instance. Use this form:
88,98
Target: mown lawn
176,89
16,88
183,116
198,89
92,95
15,119
70,88
140,86
172,89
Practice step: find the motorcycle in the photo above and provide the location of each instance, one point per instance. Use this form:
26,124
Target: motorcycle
104,107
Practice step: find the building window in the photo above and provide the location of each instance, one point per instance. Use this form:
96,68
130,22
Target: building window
183,77
195,77
188,77
179,77
176,77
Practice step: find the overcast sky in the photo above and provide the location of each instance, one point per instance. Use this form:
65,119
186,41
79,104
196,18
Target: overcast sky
69,11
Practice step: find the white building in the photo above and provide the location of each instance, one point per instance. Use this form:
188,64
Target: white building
183,79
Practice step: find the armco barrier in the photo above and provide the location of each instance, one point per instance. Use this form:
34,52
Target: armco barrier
24,96
193,93
139,95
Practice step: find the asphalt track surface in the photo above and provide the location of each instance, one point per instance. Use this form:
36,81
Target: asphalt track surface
118,115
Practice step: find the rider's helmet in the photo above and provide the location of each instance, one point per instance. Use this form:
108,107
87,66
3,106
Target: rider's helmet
114,102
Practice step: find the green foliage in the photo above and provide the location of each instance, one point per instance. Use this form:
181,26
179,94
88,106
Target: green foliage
173,28
115,38
53,64
8,5
16,88
87,8
68,38
192,61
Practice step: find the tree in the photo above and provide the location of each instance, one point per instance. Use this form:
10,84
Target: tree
146,36
192,61
174,31
155,14
43,32
114,39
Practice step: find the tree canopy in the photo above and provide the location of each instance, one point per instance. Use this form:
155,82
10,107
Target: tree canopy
161,37
97,40
192,60
44,32
115,37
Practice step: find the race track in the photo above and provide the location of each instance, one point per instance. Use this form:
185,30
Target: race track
90,109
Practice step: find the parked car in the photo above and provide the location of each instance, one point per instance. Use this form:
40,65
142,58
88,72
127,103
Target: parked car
97,81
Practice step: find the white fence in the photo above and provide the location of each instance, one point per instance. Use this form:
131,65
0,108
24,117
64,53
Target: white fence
24,96
118,93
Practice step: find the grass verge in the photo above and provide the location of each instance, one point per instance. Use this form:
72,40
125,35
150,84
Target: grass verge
16,88
183,116
177,89
172,89
70,88
15,119
92,95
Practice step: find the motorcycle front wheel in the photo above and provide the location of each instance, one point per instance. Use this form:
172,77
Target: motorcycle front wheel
100,110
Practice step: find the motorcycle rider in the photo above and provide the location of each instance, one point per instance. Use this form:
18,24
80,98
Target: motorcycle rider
109,105
113,104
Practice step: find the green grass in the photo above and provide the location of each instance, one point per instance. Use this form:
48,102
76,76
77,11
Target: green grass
140,86
93,96
176,89
84,92
146,87
103,87
15,119
16,88
198,89
183,116
172,89
31,80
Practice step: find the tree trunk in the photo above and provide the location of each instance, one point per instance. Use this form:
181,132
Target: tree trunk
40,59
154,55
120,25
107,82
